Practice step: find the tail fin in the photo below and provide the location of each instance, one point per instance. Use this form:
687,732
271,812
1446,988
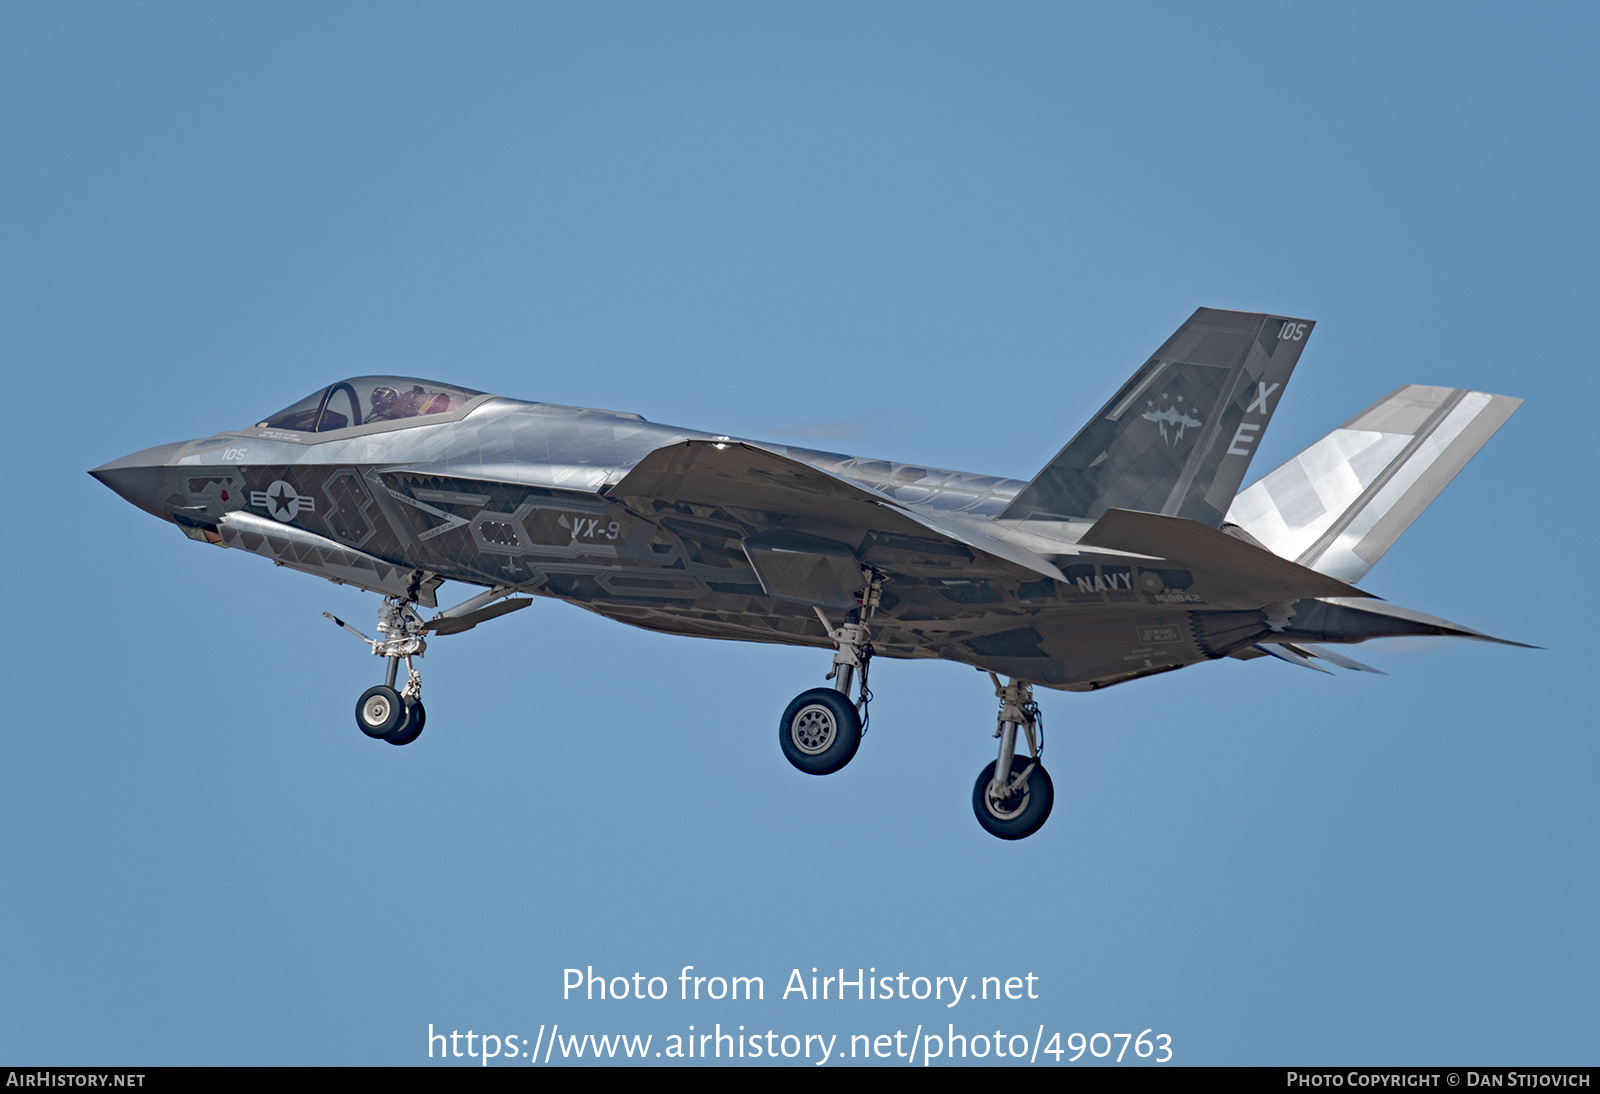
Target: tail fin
1340,504
1179,436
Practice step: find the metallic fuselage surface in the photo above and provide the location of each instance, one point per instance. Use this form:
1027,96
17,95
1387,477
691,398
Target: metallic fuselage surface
525,495
1133,552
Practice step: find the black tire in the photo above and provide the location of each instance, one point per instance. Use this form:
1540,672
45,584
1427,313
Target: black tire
380,711
411,727
1016,819
820,731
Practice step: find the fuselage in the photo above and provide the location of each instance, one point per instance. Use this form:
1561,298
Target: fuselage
1133,552
496,492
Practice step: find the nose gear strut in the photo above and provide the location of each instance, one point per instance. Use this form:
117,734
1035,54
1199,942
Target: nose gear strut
394,715
383,712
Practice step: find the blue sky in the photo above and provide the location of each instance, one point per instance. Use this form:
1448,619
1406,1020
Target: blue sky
936,233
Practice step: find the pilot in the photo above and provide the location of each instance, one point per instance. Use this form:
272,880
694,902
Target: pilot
389,404
385,405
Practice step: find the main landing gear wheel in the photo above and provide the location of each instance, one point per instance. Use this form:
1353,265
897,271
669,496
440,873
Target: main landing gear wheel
1013,795
380,711
411,727
822,728
820,731
1021,812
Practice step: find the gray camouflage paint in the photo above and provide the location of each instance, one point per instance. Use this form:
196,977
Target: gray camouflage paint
690,533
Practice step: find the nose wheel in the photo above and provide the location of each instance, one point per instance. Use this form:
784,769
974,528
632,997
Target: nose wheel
395,714
410,727
380,711
387,715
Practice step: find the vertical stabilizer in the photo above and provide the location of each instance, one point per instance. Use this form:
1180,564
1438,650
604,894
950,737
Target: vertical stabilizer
1340,504
1179,436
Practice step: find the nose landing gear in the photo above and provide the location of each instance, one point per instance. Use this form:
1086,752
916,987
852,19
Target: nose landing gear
382,712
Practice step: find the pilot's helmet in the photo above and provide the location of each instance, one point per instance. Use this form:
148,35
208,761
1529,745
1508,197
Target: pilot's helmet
383,398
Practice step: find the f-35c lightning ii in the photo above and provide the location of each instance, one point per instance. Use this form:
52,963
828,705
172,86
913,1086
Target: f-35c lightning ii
1132,553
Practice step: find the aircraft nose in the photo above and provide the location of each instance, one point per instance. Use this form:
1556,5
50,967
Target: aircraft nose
143,478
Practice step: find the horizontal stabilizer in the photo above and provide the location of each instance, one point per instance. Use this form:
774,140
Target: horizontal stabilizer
1339,619
1254,574
1340,504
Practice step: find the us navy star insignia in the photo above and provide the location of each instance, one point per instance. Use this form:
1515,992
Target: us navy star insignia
282,501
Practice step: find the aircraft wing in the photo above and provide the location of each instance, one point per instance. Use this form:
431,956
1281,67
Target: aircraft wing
782,495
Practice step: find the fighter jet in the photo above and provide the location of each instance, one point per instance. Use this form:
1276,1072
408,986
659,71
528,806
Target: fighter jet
1133,552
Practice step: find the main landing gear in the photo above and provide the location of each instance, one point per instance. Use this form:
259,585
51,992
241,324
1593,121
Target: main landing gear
822,728
396,716
1013,795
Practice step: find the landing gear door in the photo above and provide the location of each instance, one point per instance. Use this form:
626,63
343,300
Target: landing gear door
805,569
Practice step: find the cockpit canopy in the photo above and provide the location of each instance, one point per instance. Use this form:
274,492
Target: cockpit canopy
367,400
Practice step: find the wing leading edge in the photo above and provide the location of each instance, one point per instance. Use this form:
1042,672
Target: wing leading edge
780,494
